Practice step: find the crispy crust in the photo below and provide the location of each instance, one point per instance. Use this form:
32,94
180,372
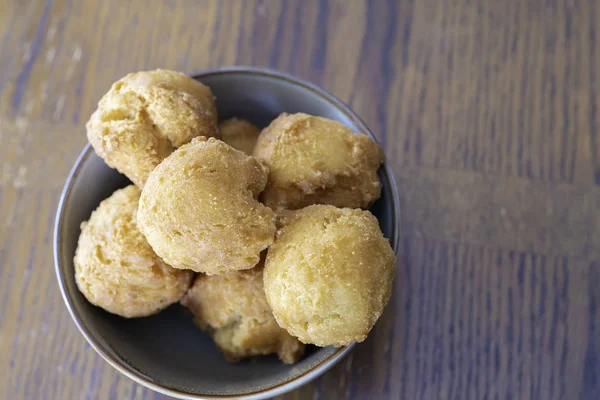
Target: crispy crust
145,116
239,134
328,275
199,208
315,160
115,267
234,309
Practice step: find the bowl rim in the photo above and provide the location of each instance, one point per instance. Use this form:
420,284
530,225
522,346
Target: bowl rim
138,376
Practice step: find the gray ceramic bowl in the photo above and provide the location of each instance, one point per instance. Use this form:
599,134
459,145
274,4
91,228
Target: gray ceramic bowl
166,352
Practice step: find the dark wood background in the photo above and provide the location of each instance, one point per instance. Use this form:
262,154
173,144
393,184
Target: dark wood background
488,114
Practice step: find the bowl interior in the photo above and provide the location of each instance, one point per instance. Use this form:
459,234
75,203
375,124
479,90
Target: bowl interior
167,350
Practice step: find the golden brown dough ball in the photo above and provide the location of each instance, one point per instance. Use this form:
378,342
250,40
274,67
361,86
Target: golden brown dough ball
329,274
147,115
199,208
115,267
315,160
234,309
239,134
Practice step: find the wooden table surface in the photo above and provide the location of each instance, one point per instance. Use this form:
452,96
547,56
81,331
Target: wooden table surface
488,114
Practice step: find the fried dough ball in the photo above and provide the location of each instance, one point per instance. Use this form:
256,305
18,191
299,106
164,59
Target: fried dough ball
199,208
145,116
329,274
115,267
315,160
239,134
234,309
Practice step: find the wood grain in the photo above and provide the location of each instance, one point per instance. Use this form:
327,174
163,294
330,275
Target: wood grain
488,114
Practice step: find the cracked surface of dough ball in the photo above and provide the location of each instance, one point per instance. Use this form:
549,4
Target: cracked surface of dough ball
233,308
115,267
199,209
328,275
239,134
145,116
315,160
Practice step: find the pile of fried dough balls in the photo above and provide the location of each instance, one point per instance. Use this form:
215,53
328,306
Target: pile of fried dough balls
263,236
